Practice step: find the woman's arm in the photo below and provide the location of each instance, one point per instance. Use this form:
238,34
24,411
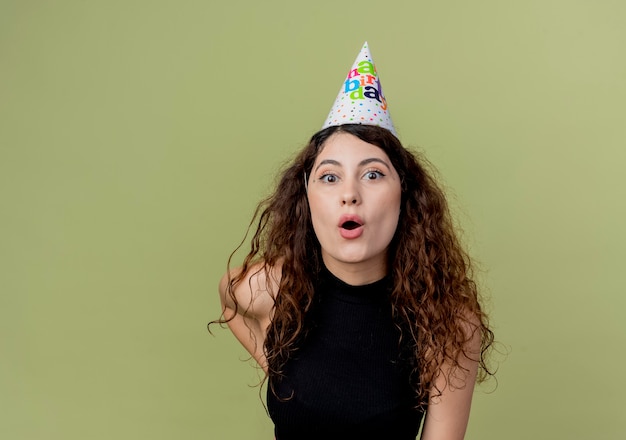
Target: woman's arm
448,414
251,314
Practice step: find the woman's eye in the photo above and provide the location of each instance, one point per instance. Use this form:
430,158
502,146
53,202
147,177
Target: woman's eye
328,178
373,175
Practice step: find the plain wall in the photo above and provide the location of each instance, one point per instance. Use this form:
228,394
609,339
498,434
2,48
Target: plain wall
137,136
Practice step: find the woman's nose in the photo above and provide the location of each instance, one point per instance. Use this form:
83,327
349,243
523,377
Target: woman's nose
350,195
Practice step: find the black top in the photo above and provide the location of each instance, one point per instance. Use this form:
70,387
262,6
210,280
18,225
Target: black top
346,380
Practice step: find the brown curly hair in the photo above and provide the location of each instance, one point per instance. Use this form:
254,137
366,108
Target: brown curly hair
434,299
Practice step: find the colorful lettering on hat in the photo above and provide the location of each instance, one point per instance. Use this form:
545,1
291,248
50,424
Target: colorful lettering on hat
361,99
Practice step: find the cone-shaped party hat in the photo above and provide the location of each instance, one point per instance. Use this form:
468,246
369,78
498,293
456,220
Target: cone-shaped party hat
361,99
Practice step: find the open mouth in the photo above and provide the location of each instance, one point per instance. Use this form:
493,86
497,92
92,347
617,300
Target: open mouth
350,225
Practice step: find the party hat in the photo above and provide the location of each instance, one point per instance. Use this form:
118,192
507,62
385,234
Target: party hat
361,99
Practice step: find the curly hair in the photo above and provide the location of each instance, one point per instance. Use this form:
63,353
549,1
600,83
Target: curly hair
434,300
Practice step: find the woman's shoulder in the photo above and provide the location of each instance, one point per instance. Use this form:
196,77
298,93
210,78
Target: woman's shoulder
254,290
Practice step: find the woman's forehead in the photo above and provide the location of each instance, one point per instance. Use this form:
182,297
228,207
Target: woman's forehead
347,148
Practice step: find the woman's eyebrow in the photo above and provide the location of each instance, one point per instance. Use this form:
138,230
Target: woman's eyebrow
327,162
374,159
362,163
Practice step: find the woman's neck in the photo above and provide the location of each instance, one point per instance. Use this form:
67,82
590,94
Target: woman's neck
356,274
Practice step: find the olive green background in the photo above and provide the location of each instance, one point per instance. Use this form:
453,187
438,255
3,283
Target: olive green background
137,136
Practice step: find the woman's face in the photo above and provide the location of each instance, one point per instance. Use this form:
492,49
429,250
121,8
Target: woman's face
354,195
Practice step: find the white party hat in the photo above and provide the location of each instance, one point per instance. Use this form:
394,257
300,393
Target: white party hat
361,99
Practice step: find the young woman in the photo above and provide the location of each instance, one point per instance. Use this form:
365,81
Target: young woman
356,298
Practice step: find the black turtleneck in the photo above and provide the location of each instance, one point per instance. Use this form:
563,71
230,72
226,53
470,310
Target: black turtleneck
346,380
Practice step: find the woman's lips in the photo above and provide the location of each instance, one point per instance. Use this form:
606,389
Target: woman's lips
351,233
350,226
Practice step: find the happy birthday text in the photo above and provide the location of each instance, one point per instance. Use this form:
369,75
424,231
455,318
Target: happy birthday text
367,85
